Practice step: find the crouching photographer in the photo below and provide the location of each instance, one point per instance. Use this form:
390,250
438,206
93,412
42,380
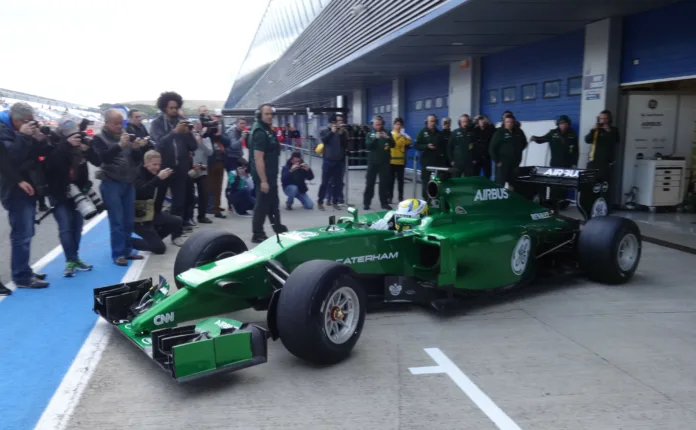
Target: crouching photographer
70,191
152,225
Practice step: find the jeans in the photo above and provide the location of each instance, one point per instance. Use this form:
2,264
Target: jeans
21,210
119,199
331,176
294,193
242,201
70,224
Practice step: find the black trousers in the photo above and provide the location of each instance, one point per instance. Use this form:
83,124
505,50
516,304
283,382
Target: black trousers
382,172
485,164
267,205
397,175
177,183
505,173
154,231
200,185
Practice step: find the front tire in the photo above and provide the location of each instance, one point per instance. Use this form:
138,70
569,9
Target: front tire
609,249
204,247
321,312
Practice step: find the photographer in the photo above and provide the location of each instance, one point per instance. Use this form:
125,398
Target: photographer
294,179
137,130
335,140
212,129
240,188
175,143
20,186
199,176
153,226
120,158
66,165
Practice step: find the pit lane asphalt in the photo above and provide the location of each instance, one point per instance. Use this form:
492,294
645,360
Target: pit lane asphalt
575,355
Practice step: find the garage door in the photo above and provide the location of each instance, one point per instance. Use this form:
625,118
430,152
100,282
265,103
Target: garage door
425,94
538,90
379,102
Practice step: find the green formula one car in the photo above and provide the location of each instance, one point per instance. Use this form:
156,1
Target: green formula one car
317,283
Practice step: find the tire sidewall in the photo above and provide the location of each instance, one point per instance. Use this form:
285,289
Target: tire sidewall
205,245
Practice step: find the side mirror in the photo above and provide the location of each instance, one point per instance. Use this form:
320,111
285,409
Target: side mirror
403,222
353,211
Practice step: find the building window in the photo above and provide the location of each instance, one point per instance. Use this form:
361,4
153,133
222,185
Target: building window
492,97
382,109
389,107
529,92
419,105
376,110
575,86
552,89
438,102
428,103
509,94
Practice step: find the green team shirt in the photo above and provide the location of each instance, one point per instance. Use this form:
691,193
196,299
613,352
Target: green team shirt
263,139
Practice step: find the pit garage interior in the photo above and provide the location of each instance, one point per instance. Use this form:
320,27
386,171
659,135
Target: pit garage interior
539,59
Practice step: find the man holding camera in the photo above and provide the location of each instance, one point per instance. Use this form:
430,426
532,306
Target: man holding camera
264,153
212,129
137,130
604,138
175,142
20,185
66,166
120,156
335,140
150,225
379,144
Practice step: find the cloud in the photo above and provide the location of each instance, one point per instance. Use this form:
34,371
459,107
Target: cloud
91,52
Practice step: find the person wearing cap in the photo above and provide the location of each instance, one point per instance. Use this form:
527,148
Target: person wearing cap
335,141
563,142
294,179
507,146
66,166
379,143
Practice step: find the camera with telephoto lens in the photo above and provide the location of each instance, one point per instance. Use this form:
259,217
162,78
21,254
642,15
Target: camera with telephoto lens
87,203
53,137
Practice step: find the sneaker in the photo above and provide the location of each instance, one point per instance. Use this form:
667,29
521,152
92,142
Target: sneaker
288,207
40,276
121,261
4,291
245,215
320,206
69,270
32,284
82,266
178,241
189,223
258,238
205,220
220,215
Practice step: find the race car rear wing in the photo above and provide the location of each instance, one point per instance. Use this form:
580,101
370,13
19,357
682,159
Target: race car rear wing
558,177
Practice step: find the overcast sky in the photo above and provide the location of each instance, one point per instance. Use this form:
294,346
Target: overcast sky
96,51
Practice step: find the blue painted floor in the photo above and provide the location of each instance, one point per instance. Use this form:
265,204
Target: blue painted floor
41,331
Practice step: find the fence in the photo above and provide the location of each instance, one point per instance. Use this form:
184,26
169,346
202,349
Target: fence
354,158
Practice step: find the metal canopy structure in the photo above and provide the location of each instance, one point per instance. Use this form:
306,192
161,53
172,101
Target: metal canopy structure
453,31
284,111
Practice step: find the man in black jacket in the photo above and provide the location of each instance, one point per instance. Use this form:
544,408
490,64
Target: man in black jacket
150,225
175,143
19,187
66,168
119,169
335,140
136,128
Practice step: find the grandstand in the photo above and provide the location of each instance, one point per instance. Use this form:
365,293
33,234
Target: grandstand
49,111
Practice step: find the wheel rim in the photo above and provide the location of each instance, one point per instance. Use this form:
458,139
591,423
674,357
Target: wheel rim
341,315
628,252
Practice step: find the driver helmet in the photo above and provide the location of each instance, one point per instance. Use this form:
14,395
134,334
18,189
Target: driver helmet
411,208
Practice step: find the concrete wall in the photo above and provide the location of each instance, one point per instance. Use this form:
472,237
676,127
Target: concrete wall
379,97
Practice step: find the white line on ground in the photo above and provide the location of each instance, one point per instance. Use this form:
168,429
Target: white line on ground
55,252
62,405
445,365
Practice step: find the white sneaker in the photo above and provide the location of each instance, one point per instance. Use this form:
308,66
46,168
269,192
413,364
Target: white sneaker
179,241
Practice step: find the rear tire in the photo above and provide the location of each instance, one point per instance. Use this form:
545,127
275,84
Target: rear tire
609,249
206,246
313,322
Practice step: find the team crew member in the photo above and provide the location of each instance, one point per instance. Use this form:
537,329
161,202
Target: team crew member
460,148
379,143
264,151
482,155
507,146
446,128
604,137
563,142
397,162
433,146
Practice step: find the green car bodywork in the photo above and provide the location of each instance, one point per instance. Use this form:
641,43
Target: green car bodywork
477,236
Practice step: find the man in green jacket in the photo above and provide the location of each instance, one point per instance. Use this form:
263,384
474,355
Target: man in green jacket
378,142
264,154
507,146
563,142
604,138
460,148
433,146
